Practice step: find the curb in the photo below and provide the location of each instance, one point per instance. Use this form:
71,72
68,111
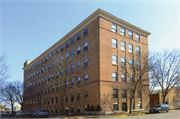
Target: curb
71,117
135,114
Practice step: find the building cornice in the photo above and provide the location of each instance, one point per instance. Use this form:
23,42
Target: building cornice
83,24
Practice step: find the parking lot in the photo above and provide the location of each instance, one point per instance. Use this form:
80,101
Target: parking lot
174,114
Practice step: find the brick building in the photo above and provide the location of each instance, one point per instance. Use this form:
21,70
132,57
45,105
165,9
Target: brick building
93,50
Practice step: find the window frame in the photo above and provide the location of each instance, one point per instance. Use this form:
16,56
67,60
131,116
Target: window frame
114,28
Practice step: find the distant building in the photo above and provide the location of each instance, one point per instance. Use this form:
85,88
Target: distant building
172,99
98,44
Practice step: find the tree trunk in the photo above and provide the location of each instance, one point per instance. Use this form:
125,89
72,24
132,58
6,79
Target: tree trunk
150,100
130,103
12,108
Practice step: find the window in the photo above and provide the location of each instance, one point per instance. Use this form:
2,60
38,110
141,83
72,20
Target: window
53,53
114,28
123,61
139,93
52,76
67,83
72,41
78,50
56,99
130,63
42,60
57,60
115,93
78,65
123,77
52,88
49,55
124,93
61,85
114,59
114,43
79,80
72,109
78,96
67,70
66,98
115,106
138,79
72,67
85,31
130,78
67,56
139,105
53,64
85,78
46,58
72,53
130,34
67,44
138,64
57,73
122,31
123,45
49,67
45,68
137,50
131,93
85,95
72,82
114,76
78,109
49,77
137,37
78,36
72,97
62,58
85,62
62,72
130,48
39,63
62,48
85,46
57,50
52,100
42,70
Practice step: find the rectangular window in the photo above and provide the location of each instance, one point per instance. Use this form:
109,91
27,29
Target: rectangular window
66,98
123,77
114,28
57,50
130,63
72,53
78,109
62,48
79,80
78,36
72,67
52,100
139,105
137,37
72,97
78,65
53,53
72,82
130,48
85,95
114,43
138,64
123,61
67,84
115,93
115,106
85,31
67,56
85,78
78,96
114,59
122,31
114,76
67,70
139,93
67,44
85,46
72,41
78,50
130,78
72,109
123,45
85,62
130,34
137,50
124,93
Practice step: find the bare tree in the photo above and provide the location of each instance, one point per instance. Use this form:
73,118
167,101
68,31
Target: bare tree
167,70
4,69
8,94
137,70
18,85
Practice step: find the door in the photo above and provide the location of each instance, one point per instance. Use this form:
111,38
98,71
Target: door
124,106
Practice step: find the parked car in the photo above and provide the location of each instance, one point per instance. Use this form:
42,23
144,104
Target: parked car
20,114
6,112
1,113
29,114
40,113
159,108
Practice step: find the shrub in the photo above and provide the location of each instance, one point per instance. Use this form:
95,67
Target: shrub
92,108
99,108
88,108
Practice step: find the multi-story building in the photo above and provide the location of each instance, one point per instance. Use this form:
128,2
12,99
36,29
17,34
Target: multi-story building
93,51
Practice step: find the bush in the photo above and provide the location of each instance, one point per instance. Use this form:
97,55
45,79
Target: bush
92,108
88,108
99,108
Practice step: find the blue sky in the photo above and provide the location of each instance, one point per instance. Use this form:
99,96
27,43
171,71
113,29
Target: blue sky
28,28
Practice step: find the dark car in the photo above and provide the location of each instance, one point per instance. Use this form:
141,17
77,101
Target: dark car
159,108
40,113
29,114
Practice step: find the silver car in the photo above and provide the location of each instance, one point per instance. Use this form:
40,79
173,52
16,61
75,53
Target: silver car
20,114
40,113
